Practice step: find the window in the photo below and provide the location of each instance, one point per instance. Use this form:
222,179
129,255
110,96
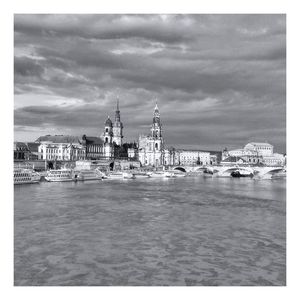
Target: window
106,129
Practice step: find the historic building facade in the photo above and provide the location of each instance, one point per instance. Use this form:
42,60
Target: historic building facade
151,147
60,148
254,153
152,150
113,134
192,157
26,151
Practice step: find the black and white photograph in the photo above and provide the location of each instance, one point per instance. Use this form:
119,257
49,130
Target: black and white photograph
149,149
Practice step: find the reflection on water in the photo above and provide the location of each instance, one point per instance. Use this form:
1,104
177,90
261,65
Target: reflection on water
181,231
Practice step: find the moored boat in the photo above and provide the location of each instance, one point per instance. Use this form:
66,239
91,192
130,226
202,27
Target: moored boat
127,175
120,175
141,175
178,174
84,175
158,174
59,175
23,176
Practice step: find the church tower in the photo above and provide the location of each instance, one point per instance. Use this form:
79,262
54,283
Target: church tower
156,139
107,138
156,131
118,127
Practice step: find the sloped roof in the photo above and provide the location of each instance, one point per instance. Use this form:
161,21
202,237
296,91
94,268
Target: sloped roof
233,159
59,139
255,144
20,146
33,147
94,140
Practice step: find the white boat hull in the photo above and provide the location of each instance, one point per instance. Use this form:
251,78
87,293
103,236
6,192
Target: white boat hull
58,179
140,176
24,176
27,182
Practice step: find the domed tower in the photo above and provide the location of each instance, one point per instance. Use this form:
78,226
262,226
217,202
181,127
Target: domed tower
118,127
108,131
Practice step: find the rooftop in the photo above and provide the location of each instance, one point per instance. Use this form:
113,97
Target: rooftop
259,144
59,139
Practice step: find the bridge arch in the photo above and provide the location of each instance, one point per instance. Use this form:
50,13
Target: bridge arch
200,169
180,169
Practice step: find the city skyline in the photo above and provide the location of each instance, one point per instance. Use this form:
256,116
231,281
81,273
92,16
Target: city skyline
219,79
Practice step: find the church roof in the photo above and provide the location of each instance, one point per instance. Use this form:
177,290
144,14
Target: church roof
94,140
59,139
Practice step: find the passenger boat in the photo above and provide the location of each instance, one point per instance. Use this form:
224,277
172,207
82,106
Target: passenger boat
115,175
179,174
141,175
84,175
127,175
60,175
158,174
23,176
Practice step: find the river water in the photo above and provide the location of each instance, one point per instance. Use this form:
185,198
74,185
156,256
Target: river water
177,231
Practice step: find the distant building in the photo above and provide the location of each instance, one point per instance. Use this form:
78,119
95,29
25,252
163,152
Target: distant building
113,135
192,157
263,149
60,147
94,147
274,160
256,154
26,151
213,159
153,152
20,150
232,160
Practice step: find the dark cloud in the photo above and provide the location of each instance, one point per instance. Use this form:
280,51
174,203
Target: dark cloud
219,79
25,66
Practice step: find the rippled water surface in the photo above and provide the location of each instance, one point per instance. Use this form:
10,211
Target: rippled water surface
181,231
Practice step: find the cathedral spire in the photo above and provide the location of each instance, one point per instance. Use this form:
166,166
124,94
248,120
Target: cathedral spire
156,115
118,103
118,126
117,114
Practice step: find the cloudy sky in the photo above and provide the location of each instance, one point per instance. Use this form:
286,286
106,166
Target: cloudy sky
219,80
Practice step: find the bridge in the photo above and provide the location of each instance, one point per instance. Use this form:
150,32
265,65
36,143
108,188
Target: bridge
225,171
188,168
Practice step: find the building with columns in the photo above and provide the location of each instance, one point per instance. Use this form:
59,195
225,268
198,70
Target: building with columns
255,153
